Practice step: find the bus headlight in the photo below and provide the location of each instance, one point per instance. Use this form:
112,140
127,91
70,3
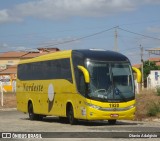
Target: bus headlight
93,106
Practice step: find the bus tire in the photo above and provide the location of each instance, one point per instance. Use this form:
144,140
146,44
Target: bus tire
63,119
32,116
70,116
40,117
112,121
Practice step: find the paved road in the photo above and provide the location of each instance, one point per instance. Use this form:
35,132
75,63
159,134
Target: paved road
14,121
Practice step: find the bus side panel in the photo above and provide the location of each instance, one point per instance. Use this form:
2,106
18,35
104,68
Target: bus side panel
21,98
80,107
49,97
75,99
63,91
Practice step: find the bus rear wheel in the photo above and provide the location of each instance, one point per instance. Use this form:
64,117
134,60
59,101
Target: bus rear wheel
32,116
70,116
112,121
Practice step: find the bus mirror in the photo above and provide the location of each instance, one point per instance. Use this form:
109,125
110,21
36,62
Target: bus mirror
85,73
139,75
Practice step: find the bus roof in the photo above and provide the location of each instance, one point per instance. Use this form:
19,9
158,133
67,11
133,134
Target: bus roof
93,54
101,55
49,56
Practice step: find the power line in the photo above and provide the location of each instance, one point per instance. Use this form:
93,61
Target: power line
139,34
128,49
141,22
82,28
97,33
81,38
77,39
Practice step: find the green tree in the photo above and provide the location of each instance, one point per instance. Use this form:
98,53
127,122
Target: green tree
147,67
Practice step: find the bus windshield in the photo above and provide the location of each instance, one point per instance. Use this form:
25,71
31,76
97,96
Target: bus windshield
110,81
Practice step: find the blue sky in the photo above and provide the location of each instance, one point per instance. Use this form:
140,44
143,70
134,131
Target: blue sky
30,24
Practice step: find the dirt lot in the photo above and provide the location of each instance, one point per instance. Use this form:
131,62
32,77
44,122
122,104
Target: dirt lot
9,100
51,128
143,102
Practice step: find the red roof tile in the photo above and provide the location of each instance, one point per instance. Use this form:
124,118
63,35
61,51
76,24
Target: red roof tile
157,63
12,54
156,59
137,66
48,49
9,70
31,55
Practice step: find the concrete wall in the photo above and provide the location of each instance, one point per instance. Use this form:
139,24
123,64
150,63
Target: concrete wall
9,62
153,79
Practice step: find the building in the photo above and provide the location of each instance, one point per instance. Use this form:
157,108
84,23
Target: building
153,79
156,60
138,66
9,61
152,59
10,58
8,77
155,51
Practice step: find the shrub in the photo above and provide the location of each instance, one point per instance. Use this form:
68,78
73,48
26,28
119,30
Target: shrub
158,91
153,109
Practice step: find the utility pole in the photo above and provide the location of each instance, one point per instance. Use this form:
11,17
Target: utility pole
1,90
115,40
142,66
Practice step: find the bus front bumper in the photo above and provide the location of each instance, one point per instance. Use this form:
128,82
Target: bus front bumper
95,114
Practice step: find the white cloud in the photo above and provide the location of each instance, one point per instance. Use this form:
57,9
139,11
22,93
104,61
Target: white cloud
66,8
58,9
154,29
152,1
6,16
4,47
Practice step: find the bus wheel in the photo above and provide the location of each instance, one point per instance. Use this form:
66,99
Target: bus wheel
32,116
112,122
63,119
71,118
40,117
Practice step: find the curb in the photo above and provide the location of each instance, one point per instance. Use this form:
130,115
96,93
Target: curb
8,109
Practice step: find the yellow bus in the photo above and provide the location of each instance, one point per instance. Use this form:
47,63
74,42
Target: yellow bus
89,84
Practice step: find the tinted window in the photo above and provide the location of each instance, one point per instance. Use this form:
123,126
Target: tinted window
51,69
80,83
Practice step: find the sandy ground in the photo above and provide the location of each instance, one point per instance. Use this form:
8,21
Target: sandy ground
9,100
143,102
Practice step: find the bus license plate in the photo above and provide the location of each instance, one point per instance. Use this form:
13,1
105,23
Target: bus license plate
114,115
